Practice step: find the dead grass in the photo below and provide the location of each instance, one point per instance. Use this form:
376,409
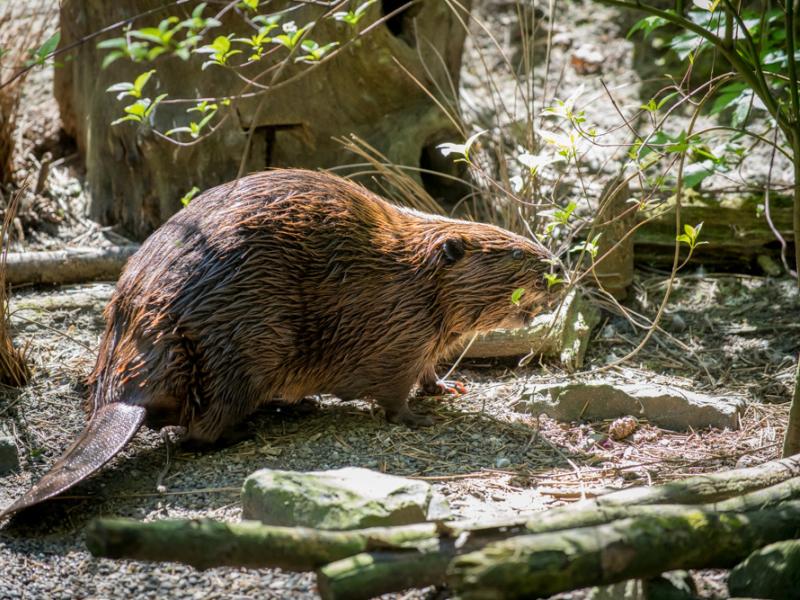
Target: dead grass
22,27
14,370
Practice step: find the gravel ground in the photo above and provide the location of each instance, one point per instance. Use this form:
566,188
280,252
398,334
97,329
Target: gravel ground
485,458
724,335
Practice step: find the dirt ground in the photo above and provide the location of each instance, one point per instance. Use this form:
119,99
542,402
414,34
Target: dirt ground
723,334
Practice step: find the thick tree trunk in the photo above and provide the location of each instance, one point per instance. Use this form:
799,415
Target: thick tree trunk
137,179
791,440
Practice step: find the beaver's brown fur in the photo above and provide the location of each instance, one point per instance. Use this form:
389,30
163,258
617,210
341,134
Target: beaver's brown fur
286,284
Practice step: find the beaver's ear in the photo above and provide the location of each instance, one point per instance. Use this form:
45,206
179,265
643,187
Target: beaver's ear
453,249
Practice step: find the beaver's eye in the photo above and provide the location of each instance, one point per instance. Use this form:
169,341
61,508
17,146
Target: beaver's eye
517,254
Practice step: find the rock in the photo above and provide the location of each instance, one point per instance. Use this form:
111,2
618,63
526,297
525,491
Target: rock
771,572
587,59
768,265
668,407
9,456
673,585
349,498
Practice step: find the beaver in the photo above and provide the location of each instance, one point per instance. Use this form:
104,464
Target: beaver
283,285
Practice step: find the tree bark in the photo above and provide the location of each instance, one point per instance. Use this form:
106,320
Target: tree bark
736,238
791,439
698,489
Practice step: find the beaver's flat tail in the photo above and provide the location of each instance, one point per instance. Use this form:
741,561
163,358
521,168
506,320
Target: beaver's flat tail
109,429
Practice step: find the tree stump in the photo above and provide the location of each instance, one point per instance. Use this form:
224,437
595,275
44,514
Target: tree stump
136,178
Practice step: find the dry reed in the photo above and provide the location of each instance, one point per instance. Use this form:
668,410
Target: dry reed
14,369
23,27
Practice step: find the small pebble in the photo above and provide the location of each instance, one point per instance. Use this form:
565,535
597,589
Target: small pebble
677,322
502,462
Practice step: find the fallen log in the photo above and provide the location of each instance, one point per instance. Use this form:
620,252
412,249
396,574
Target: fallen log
71,265
563,333
205,543
539,565
710,487
381,560
736,230
368,575
371,571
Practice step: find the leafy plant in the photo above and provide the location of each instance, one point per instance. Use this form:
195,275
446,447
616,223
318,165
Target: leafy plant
552,279
352,17
43,52
292,34
133,89
139,110
461,150
220,51
690,236
313,51
187,197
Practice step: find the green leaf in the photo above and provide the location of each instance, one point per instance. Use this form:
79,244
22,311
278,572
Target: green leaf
49,46
178,130
126,118
695,173
187,197
709,5
198,10
535,163
149,34
119,42
727,96
122,86
516,296
647,25
203,107
449,148
552,279
138,108
141,81
352,17
111,57
204,121
155,103
743,104
562,215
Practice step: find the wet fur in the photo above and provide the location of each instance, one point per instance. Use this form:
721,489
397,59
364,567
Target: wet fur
290,283
286,284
